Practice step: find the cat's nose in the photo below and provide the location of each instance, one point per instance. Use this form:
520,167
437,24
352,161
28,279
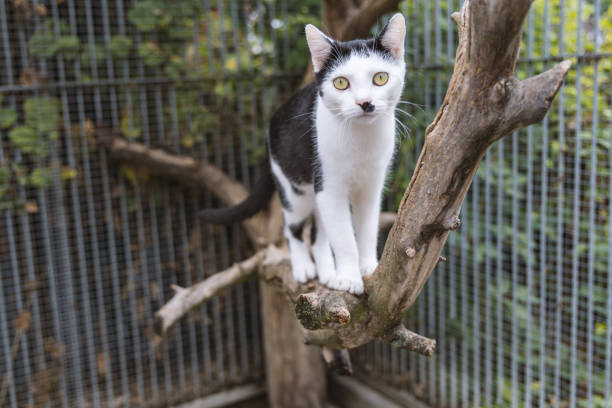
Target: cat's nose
366,106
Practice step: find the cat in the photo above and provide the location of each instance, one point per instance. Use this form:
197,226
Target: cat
330,147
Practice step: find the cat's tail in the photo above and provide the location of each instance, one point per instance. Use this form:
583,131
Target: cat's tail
259,198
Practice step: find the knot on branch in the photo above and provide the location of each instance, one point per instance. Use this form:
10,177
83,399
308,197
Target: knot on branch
502,90
452,223
410,252
317,310
401,337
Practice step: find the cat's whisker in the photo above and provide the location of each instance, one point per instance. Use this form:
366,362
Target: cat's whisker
416,105
412,118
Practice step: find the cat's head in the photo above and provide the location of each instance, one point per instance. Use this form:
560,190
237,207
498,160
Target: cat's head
360,79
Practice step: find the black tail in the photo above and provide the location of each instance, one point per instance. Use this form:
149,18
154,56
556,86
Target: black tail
262,192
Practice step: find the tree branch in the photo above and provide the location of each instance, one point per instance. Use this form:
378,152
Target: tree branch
262,229
403,338
186,299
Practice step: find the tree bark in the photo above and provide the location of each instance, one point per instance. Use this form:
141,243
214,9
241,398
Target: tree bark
295,372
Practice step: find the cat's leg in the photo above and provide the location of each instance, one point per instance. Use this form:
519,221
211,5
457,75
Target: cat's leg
366,212
334,210
298,206
301,264
321,251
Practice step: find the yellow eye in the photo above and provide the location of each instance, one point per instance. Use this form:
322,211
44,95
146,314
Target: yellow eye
341,83
380,78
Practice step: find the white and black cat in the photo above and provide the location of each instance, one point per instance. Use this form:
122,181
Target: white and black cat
330,147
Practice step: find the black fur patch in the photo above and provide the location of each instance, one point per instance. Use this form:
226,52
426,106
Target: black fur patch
313,232
297,229
292,135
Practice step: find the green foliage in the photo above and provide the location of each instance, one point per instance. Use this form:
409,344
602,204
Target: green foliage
7,117
571,135
151,54
33,137
68,46
120,46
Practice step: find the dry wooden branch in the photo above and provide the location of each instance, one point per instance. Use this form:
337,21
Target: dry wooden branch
484,102
264,227
186,299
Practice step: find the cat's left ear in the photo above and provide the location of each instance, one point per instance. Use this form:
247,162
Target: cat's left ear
392,36
320,46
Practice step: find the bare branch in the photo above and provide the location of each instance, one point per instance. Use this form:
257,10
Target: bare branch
262,228
403,338
386,220
184,300
181,168
361,20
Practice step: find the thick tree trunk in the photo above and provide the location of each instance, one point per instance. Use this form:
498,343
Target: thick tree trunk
295,372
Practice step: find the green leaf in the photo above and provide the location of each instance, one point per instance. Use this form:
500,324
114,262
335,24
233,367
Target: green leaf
24,137
151,54
97,53
142,15
41,177
7,117
68,46
42,43
42,113
120,46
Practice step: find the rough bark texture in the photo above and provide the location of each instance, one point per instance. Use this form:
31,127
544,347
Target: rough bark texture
484,102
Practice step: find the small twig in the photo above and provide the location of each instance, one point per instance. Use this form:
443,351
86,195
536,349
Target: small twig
186,299
403,338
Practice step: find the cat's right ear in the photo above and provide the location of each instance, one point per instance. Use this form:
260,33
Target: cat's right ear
320,46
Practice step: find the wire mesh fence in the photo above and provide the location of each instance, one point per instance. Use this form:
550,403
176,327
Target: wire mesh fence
522,308
89,248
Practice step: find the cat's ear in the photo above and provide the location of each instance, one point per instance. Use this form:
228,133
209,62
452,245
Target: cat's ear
320,46
392,36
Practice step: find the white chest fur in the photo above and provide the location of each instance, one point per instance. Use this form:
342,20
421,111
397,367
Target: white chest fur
356,151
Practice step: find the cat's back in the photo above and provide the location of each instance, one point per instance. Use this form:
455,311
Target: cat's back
291,135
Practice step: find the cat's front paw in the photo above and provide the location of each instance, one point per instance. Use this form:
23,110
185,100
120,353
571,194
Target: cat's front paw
304,271
368,268
349,282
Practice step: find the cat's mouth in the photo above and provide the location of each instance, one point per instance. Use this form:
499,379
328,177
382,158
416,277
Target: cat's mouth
366,116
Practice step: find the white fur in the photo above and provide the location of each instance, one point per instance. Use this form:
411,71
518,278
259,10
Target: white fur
319,44
354,150
394,36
